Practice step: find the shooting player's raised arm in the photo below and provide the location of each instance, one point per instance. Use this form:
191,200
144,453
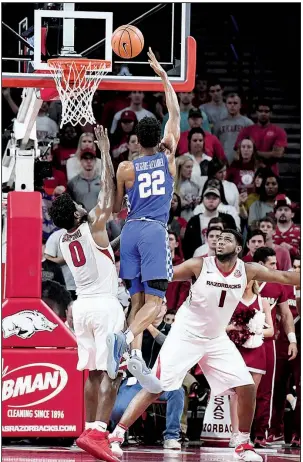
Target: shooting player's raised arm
172,127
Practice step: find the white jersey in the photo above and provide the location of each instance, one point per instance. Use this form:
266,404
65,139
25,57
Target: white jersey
213,299
92,267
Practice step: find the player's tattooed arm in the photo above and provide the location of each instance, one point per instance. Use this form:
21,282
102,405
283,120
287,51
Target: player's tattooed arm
188,269
106,195
100,214
262,274
172,128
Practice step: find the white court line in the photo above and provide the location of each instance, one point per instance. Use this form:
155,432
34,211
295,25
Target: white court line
229,450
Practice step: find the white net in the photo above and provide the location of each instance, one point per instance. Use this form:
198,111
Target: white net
76,84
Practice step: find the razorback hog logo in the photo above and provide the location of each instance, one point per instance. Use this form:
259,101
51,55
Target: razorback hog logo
32,384
25,324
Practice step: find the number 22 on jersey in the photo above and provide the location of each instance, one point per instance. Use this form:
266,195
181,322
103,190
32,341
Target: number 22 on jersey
151,184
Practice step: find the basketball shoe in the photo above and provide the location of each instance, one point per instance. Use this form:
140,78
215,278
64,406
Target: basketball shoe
115,443
144,375
83,435
117,346
274,440
246,452
96,444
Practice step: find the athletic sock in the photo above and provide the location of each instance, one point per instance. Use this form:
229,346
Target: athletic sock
138,353
89,425
129,336
100,426
243,437
119,431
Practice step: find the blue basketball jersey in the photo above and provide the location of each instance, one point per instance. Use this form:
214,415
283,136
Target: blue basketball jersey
151,194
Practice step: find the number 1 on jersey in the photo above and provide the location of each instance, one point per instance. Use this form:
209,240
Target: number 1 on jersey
222,298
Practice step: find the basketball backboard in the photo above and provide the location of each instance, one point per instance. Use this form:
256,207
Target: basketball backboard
86,29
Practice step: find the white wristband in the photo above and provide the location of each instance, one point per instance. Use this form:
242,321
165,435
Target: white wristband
298,293
292,337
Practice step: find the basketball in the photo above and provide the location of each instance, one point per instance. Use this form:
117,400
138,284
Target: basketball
127,41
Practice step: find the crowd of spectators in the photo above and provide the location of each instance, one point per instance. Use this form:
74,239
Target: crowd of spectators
227,177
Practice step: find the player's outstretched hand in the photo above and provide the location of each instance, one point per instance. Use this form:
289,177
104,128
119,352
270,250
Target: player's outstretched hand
102,138
154,64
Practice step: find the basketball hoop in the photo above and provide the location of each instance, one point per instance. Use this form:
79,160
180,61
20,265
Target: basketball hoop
76,82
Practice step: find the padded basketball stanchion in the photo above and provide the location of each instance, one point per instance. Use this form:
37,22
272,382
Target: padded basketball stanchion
42,391
24,245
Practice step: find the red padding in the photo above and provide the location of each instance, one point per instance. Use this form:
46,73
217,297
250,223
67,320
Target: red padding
24,245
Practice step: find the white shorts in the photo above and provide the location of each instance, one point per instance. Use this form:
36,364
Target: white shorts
219,359
94,318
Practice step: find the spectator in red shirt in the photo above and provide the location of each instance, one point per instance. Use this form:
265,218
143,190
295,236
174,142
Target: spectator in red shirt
212,146
255,240
268,225
287,234
178,291
269,139
117,102
119,139
65,147
55,184
242,171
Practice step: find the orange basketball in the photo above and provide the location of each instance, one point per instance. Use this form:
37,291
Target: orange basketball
127,41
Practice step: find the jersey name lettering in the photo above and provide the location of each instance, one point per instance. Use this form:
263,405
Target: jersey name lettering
226,286
72,237
149,165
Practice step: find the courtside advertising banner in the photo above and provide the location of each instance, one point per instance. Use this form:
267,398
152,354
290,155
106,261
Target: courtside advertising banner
42,393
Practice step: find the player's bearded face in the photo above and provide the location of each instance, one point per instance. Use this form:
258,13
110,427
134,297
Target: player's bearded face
226,249
225,255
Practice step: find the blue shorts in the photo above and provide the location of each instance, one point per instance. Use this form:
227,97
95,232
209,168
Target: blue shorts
145,255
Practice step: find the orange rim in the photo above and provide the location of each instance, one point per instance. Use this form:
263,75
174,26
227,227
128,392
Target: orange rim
77,62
